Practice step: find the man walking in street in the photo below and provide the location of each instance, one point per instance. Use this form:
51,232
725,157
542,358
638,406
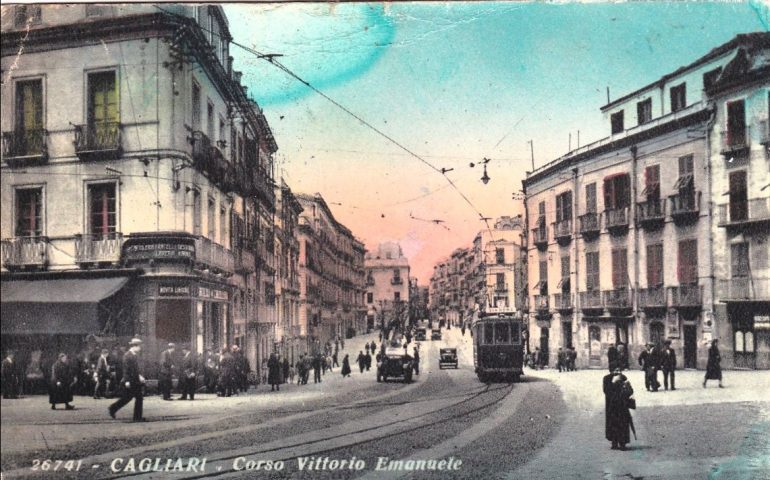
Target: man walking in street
317,368
188,375
416,361
361,360
132,382
649,362
166,372
102,374
668,364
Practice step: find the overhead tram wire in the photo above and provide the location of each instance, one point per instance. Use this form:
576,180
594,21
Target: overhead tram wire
271,59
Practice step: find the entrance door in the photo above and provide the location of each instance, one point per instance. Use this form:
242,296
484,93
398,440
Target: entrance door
690,346
566,328
594,346
172,320
544,332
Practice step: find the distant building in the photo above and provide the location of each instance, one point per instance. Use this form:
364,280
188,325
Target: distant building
387,283
290,338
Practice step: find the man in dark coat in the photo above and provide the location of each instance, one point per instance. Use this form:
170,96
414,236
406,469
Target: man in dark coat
10,376
416,357
317,368
617,418
166,371
102,374
226,373
345,366
612,358
571,357
649,362
274,373
286,370
713,367
132,383
561,359
368,360
361,360
62,381
668,364
188,374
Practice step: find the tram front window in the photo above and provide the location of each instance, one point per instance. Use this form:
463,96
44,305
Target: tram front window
502,333
489,337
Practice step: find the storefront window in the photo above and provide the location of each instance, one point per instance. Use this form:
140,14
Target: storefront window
739,347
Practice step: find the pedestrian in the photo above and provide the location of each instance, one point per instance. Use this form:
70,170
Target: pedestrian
10,376
462,329
317,368
226,373
648,360
668,364
273,373
240,370
572,358
612,358
373,348
62,382
132,382
713,367
416,357
335,363
308,365
292,373
166,372
561,360
300,369
286,370
210,369
617,401
345,366
188,375
102,373
623,357
368,360
536,358
361,360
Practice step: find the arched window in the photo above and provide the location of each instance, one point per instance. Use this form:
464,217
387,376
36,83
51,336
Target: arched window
739,341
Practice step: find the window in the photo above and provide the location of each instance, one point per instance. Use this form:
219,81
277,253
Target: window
619,268
736,123
543,272
397,296
502,333
196,106
592,271
489,336
212,219
565,268
739,202
369,297
654,265
500,256
678,97
739,260
617,192
500,281
24,14
210,120
591,198
29,117
687,262
652,182
685,179
222,224
616,122
710,78
197,211
103,106
102,209
744,341
564,207
29,212
644,111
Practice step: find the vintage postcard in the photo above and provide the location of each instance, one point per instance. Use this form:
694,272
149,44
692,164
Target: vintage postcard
347,240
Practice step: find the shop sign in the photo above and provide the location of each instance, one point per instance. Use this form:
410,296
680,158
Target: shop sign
762,322
159,250
170,290
219,294
206,292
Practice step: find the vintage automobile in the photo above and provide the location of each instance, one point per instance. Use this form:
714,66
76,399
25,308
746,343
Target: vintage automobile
395,364
421,334
435,334
447,358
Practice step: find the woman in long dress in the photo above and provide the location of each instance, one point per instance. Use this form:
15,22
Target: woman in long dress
346,366
617,418
62,381
713,367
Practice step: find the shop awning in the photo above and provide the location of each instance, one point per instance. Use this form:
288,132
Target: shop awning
55,306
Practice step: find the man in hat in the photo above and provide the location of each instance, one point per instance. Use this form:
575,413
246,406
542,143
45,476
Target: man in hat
132,383
165,374
10,376
102,374
668,364
188,375
649,362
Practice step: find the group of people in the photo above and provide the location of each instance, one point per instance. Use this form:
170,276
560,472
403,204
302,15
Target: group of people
565,359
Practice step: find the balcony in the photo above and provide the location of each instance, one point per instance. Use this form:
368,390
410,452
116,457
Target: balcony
98,249
735,142
563,302
98,141
591,302
764,132
209,160
24,253
685,206
25,147
589,225
750,213
616,220
651,214
652,298
540,237
501,287
618,299
244,261
744,289
396,281
562,231
213,256
542,307
686,296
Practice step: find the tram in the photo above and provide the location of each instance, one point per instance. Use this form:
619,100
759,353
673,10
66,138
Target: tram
498,346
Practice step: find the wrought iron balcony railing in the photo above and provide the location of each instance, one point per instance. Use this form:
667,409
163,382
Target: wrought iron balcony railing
93,249
651,213
562,231
744,288
589,224
735,141
591,300
617,298
24,252
685,205
652,297
98,140
744,213
213,255
562,301
25,147
540,236
616,219
686,295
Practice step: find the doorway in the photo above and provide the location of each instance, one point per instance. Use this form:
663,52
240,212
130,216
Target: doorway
544,332
566,328
690,346
594,346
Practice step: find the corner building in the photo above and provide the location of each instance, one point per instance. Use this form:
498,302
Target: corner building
624,233
136,181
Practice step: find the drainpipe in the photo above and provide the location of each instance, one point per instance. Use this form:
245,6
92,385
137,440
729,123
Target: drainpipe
710,237
632,216
573,287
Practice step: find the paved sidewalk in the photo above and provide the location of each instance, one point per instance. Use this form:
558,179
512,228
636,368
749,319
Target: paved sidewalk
691,432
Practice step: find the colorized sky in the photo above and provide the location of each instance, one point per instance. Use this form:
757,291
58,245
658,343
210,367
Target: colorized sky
453,82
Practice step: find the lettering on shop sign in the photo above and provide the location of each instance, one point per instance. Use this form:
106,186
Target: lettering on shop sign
166,251
762,322
173,290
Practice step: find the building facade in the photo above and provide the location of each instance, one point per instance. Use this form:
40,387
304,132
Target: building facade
290,338
136,180
622,242
387,284
331,266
